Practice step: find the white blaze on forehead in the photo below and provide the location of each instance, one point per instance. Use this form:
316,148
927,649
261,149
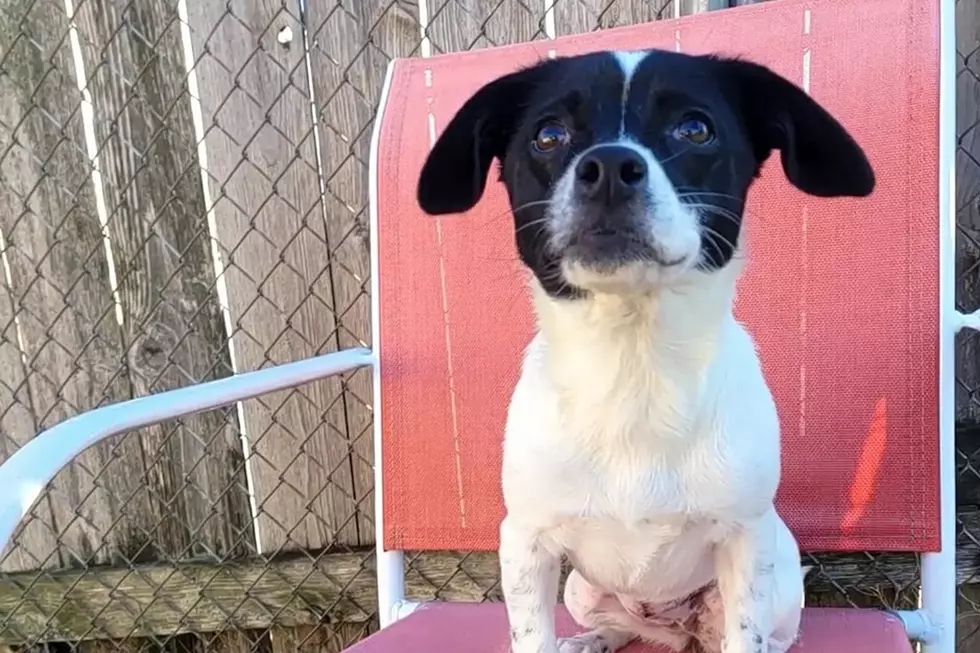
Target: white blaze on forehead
628,61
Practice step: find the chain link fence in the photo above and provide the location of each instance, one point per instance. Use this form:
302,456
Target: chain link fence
127,270
968,299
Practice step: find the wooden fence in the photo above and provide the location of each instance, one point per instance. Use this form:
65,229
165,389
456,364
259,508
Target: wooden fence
183,195
127,271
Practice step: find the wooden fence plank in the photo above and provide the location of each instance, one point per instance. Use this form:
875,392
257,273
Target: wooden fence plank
165,599
576,16
335,638
697,6
193,486
192,496
968,287
264,178
968,206
349,55
456,25
35,544
337,588
59,271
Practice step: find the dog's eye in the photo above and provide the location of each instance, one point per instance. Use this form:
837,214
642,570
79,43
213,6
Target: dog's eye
551,136
694,130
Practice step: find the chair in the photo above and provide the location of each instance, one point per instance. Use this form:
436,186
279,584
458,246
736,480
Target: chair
850,301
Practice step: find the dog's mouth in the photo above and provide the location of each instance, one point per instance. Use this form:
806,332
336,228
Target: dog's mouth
605,249
666,262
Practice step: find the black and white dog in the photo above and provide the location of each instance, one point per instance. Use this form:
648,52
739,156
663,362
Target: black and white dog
642,441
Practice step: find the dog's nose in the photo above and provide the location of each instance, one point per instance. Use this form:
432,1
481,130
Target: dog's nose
610,173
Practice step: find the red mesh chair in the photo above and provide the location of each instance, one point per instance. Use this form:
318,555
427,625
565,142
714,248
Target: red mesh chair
852,309
843,300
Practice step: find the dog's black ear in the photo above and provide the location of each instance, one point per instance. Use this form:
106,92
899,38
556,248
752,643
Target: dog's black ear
455,172
818,155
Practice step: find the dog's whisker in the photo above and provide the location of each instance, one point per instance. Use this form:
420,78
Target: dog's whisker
528,205
670,158
715,234
511,211
553,275
713,207
714,237
683,193
719,211
540,222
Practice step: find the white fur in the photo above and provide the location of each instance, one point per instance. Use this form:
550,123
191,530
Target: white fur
628,62
642,442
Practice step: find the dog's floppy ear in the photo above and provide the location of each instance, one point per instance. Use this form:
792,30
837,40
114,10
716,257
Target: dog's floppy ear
818,155
455,172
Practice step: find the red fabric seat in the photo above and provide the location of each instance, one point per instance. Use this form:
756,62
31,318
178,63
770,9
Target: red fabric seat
845,320
482,628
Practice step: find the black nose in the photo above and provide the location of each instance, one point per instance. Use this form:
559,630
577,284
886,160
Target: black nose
610,173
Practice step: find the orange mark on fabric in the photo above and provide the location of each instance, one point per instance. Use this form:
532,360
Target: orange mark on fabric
869,464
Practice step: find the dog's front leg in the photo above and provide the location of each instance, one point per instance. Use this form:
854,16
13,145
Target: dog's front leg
529,578
746,583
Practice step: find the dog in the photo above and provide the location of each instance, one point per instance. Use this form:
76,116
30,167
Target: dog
642,441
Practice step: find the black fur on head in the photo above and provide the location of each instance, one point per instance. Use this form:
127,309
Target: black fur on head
617,159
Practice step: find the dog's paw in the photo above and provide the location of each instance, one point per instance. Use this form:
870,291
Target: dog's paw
586,643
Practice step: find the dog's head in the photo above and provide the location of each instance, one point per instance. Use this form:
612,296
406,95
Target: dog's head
627,171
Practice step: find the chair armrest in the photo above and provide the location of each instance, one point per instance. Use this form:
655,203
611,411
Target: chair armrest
26,473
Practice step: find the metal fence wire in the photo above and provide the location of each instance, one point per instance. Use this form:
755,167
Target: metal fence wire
183,195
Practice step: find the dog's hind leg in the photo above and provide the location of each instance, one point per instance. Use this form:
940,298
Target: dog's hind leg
788,591
592,608
611,626
709,623
760,587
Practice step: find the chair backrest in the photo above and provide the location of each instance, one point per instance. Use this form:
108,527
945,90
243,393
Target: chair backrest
842,296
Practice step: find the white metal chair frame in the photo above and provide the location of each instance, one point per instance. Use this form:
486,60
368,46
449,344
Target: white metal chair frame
28,471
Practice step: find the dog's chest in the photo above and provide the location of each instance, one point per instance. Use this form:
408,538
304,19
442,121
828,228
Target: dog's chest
649,531
657,559
636,470
556,470
609,437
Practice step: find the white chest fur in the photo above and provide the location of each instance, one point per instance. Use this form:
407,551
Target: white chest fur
633,445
